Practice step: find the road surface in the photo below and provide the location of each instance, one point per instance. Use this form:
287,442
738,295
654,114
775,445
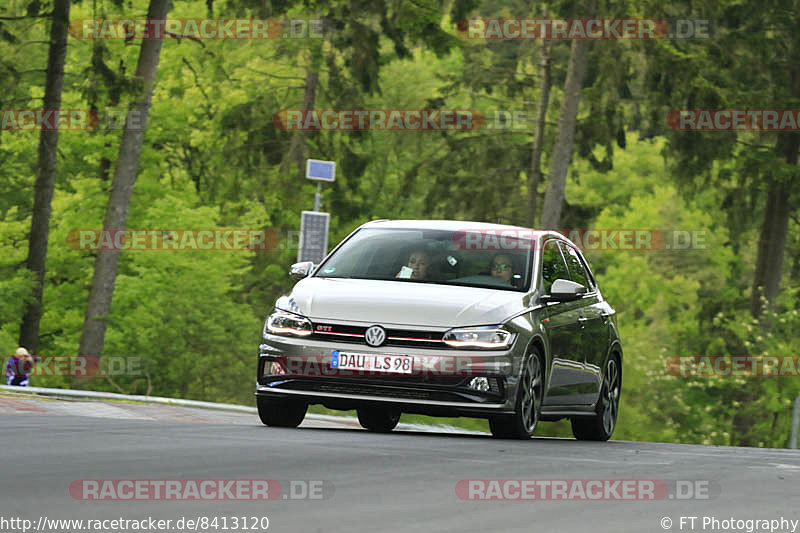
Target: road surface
367,482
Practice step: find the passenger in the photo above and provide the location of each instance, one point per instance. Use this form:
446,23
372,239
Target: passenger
503,267
418,263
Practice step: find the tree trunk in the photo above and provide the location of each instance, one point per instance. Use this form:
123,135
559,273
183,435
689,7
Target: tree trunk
105,163
297,146
772,241
45,176
105,269
554,197
767,277
535,174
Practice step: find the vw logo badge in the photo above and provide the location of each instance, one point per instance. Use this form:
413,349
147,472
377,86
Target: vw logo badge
375,336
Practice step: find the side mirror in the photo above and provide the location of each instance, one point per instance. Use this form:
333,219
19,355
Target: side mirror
299,271
564,290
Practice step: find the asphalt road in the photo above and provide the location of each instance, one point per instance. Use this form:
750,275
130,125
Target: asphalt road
396,482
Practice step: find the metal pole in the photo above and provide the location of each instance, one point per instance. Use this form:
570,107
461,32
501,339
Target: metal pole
318,197
795,423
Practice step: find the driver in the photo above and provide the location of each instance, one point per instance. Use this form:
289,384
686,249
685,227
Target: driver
418,262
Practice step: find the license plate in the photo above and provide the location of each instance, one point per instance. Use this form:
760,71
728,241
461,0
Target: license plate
395,364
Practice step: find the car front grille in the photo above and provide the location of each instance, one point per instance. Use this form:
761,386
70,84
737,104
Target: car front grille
437,388
375,391
394,337
392,390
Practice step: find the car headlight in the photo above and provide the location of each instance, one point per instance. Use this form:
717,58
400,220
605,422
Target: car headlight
285,323
485,337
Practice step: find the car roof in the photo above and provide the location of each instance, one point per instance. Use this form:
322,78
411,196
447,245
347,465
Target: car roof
457,225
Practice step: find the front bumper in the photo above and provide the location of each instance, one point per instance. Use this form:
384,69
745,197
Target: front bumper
294,367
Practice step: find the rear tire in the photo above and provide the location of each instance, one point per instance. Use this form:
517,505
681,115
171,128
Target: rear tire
528,406
601,426
378,419
280,412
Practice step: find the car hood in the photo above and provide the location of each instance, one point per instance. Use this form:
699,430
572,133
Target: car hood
400,303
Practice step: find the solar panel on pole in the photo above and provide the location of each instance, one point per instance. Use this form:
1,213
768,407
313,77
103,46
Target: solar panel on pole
319,170
313,236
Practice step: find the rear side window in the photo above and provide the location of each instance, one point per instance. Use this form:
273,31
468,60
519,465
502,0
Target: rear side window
553,265
577,271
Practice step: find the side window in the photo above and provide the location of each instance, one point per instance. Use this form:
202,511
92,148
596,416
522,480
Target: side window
576,269
553,266
589,274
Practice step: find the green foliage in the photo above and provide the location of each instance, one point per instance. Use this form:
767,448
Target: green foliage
16,282
212,159
681,303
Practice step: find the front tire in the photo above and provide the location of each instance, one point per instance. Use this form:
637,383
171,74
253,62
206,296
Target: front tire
528,406
601,426
280,412
378,419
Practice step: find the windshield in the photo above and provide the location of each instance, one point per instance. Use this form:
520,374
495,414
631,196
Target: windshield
472,259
